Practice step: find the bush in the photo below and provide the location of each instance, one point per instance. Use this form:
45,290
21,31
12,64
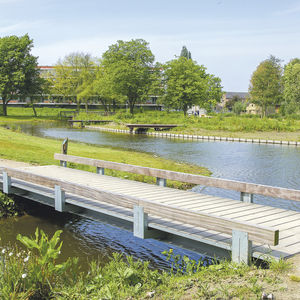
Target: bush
8,207
32,274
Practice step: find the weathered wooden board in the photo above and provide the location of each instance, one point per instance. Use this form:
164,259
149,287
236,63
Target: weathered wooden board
250,188
211,222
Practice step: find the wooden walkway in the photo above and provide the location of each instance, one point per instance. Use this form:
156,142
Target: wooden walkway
286,221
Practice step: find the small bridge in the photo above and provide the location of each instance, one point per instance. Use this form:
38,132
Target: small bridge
140,128
211,225
82,122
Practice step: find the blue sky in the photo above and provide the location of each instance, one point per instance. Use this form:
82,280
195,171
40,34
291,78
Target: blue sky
229,37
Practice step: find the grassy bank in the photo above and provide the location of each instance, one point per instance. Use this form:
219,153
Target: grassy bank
22,147
34,273
226,125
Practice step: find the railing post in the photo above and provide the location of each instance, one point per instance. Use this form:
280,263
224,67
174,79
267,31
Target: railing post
59,198
246,197
6,183
64,150
241,247
161,181
140,222
100,170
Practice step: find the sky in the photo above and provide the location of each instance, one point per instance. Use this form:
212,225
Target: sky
229,37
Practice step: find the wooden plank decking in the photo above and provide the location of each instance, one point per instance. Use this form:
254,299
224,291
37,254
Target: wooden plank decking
288,222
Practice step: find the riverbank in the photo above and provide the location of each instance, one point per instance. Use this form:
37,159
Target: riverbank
35,150
125,278
198,137
220,125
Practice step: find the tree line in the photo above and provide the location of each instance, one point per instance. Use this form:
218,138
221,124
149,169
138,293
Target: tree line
126,73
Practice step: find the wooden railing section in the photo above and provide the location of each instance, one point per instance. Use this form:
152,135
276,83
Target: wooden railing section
255,233
246,189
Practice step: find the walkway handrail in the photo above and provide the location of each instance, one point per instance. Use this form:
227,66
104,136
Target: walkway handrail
244,187
255,232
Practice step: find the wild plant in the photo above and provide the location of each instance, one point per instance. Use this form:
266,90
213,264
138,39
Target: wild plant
182,264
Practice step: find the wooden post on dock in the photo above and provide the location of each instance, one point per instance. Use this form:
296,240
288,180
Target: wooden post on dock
241,247
59,198
64,150
100,171
246,197
140,222
161,181
6,183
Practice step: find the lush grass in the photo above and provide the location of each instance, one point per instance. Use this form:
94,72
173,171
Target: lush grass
218,125
21,147
21,114
34,273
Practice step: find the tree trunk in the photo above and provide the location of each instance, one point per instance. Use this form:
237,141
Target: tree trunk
131,106
114,105
34,110
78,105
4,105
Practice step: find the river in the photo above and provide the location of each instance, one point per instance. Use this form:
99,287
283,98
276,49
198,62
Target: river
276,165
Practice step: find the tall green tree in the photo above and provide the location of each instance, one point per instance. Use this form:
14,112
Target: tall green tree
185,53
71,75
186,84
291,83
266,84
130,68
18,68
214,92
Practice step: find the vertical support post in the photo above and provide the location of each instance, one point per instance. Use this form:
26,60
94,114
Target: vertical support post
59,198
131,129
246,197
161,181
140,222
100,170
64,150
6,183
241,247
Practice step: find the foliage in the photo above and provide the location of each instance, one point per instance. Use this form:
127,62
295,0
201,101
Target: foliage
35,272
18,68
186,84
291,91
239,107
182,265
230,103
72,74
8,207
129,66
266,84
185,53
126,278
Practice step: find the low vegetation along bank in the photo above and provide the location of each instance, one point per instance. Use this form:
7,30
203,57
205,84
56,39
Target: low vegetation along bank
225,125
33,272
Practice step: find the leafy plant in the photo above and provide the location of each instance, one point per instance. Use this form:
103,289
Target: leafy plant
43,270
8,207
181,264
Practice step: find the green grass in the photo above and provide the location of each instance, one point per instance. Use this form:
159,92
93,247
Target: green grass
34,273
22,147
226,125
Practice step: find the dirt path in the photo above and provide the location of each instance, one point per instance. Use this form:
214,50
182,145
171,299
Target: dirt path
12,164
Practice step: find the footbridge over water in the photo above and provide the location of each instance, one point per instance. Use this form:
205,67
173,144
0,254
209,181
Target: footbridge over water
207,224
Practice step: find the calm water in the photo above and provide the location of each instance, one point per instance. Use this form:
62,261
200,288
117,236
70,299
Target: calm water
264,164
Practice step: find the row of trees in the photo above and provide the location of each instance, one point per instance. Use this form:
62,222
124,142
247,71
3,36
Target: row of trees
126,73
271,85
